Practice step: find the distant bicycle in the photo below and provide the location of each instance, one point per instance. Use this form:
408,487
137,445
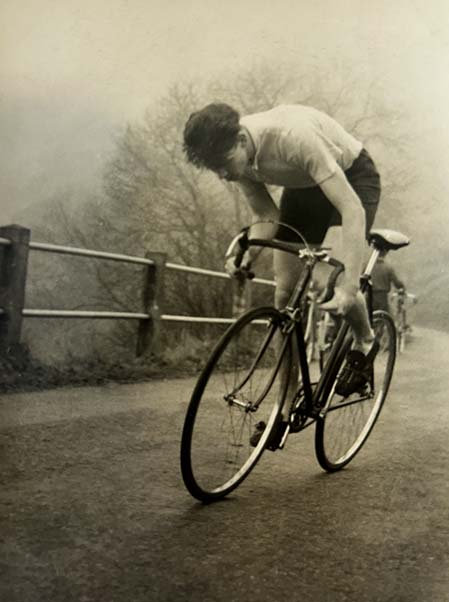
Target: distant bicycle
245,383
403,328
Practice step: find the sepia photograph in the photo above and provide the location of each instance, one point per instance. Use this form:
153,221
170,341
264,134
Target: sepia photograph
222,223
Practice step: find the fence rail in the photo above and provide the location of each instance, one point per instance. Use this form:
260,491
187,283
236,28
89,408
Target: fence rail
62,250
15,245
39,246
69,313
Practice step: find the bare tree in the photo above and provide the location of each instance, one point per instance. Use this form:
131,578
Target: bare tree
154,200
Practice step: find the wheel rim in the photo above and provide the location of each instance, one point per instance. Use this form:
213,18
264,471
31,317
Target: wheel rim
242,389
348,422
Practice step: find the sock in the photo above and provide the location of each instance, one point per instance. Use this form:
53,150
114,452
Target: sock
364,345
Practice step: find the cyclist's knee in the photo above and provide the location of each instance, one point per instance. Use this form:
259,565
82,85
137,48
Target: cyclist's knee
282,295
321,275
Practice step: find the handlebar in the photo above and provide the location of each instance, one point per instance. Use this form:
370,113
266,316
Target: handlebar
241,243
404,294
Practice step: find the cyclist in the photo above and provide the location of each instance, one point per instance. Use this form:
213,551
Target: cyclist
383,276
328,179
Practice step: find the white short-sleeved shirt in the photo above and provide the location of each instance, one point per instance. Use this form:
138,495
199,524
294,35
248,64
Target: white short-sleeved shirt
298,146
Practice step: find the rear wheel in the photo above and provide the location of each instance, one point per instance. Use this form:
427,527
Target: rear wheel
345,423
240,386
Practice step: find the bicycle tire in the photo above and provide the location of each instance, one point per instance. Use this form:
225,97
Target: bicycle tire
241,384
401,331
344,425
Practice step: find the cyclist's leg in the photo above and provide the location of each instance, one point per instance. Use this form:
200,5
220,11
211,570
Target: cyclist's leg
357,317
308,211
287,269
365,345
358,320
365,180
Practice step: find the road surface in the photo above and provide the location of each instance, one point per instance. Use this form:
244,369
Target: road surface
93,507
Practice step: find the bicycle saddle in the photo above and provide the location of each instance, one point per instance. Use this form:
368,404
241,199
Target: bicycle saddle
388,240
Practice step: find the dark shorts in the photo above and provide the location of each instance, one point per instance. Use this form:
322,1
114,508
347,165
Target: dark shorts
380,301
309,210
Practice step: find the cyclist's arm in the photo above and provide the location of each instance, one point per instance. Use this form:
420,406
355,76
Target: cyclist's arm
263,208
343,197
395,280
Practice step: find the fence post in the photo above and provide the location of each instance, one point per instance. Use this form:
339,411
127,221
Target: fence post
13,272
149,330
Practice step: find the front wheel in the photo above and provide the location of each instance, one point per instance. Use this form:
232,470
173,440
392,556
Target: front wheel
345,423
401,329
242,384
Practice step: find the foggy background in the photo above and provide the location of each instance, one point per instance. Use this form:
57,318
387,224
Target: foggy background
72,72
77,75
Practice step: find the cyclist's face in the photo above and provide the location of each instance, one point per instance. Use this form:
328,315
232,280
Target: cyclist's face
235,164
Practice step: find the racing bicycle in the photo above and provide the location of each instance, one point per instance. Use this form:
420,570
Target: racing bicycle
247,380
403,328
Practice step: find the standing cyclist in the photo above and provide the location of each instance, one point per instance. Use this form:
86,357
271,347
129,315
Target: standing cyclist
383,276
328,179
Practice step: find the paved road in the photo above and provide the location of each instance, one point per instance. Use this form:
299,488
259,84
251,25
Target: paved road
93,507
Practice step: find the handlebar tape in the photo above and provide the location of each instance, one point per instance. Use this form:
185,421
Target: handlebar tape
242,241
332,280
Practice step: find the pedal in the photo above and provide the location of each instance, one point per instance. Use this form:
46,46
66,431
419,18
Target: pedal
364,390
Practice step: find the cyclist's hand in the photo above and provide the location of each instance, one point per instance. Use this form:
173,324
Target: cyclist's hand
241,272
341,302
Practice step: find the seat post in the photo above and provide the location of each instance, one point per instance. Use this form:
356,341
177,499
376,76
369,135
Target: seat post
371,262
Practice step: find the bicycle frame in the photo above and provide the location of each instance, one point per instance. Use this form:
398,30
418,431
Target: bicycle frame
211,467
313,394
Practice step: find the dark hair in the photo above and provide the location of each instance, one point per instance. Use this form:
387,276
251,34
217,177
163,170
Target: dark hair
210,134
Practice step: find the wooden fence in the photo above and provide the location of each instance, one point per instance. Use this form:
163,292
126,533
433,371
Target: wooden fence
15,246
